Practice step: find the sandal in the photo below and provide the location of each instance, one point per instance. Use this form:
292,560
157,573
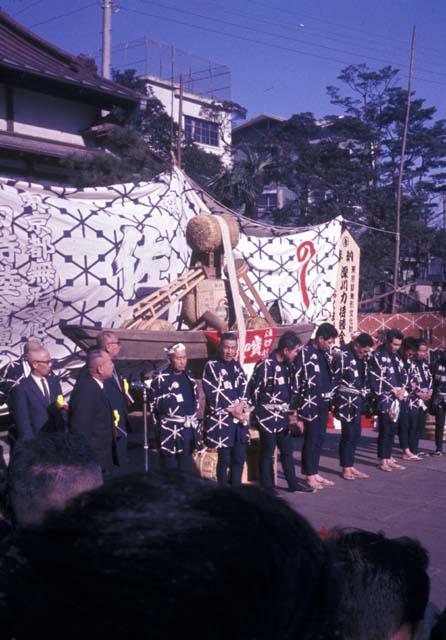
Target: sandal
360,474
348,476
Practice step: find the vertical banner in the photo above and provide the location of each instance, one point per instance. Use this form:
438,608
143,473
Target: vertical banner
345,317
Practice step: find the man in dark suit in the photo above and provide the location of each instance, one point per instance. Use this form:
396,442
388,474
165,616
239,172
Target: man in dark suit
90,410
34,399
114,389
15,371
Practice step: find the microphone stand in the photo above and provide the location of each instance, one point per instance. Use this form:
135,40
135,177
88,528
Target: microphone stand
146,440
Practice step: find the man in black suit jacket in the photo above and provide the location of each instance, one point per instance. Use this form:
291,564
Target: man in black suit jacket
34,399
108,341
90,411
15,371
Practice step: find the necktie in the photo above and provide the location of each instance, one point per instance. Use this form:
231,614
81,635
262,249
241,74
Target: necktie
46,391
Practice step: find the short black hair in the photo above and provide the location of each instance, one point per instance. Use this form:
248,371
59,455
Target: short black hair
393,334
41,464
326,330
288,340
228,335
410,343
382,584
364,340
172,556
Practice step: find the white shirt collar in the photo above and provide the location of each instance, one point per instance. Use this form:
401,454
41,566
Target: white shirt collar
100,383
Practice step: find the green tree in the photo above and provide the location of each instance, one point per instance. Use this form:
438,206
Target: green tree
348,164
141,147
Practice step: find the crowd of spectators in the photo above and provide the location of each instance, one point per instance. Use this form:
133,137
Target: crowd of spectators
170,556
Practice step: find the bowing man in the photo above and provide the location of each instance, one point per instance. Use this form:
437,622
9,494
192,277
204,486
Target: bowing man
314,390
351,388
388,380
90,411
271,389
116,392
419,396
173,401
226,423
34,398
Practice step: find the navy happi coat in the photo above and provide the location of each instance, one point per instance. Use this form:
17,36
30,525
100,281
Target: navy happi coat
224,384
271,389
172,410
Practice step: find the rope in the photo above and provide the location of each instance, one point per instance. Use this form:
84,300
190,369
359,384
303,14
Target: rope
233,283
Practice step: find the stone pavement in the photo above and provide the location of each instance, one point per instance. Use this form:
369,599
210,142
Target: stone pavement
401,503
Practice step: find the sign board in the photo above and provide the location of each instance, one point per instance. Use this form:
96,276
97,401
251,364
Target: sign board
345,317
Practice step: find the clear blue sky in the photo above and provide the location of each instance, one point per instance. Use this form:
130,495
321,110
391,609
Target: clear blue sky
282,53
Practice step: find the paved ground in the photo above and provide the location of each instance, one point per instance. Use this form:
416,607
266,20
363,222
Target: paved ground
410,502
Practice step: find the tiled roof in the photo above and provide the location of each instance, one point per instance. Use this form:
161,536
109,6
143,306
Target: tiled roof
23,51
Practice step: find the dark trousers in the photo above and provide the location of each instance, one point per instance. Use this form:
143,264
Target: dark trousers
350,434
439,426
231,459
418,421
268,442
386,435
181,461
314,435
405,426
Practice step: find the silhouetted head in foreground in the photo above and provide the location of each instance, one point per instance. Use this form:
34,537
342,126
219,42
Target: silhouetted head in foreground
165,558
382,586
46,472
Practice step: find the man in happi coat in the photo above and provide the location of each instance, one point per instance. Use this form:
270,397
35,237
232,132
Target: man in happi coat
314,388
271,389
226,422
419,396
405,423
439,402
389,383
350,390
173,401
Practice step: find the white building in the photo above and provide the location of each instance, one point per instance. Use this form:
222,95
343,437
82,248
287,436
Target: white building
206,121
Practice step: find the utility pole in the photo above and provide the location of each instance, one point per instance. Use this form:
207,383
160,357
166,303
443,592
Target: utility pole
106,38
180,122
400,179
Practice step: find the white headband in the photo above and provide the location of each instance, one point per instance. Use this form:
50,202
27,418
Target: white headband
174,348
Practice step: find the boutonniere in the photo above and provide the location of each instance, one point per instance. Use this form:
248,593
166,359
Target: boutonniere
115,418
126,387
60,402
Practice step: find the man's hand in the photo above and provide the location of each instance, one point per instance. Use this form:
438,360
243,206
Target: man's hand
237,410
398,392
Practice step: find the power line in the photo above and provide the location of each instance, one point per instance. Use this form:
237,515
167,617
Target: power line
29,6
331,35
63,15
268,33
256,41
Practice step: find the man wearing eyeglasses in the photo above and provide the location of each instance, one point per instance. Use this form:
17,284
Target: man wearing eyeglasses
34,399
114,389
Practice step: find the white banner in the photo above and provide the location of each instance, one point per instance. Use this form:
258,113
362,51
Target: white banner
84,256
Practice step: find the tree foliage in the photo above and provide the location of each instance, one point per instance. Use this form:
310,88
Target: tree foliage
348,165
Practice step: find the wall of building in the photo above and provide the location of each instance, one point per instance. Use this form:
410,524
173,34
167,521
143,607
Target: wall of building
430,326
48,117
196,107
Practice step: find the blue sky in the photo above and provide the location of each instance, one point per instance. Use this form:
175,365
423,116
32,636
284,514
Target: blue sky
281,53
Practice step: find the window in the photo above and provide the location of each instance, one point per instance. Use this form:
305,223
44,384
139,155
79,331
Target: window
201,131
267,202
